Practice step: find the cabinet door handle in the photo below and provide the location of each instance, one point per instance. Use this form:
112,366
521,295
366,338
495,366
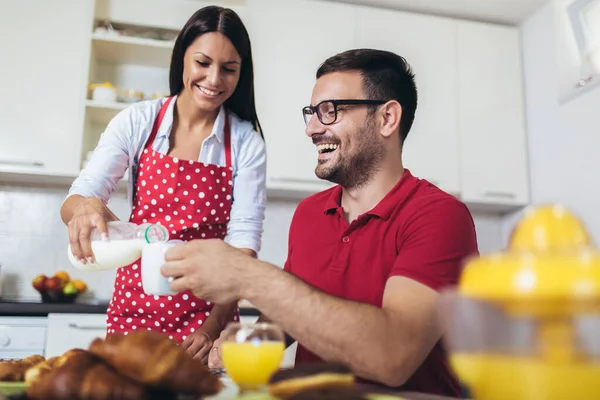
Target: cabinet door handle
300,180
505,195
22,163
77,325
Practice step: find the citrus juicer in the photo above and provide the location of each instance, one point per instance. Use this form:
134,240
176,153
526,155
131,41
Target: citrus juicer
525,324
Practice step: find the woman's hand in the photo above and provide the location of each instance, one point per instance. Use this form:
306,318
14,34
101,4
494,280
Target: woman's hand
90,213
214,358
198,345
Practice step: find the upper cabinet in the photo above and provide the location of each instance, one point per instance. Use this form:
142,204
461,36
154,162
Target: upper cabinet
469,133
493,153
43,82
468,137
289,42
429,45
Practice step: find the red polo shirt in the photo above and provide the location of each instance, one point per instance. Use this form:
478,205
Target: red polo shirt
416,231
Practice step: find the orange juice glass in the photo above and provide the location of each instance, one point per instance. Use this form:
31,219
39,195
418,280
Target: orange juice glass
252,353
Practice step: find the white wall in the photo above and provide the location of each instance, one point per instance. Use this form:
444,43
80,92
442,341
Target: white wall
564,140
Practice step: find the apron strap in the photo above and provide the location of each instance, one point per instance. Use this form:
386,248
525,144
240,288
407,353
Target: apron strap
227,141
161,115
158,122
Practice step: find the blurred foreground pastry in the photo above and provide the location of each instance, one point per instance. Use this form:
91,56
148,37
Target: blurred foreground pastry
330,393
288,382
40,369
14,370
85,376
155,360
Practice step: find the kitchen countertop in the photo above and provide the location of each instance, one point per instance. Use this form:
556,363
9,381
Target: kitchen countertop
32,308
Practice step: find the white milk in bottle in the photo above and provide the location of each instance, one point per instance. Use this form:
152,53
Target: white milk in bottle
123,246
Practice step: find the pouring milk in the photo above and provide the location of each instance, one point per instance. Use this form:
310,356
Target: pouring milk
123,246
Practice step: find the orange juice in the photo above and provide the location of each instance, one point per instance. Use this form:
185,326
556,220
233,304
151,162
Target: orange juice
502,377
249,364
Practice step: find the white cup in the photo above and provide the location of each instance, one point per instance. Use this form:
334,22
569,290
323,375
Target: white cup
153,258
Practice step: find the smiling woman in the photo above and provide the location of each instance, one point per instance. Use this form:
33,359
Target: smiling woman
206,34
198,164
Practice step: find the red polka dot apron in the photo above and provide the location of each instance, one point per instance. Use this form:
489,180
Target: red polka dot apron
193,201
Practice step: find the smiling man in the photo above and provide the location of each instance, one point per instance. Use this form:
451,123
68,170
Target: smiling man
367,258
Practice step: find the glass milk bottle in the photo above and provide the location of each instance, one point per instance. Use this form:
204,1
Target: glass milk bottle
123,245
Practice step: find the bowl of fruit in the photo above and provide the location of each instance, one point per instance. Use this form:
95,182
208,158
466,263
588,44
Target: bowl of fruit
58,288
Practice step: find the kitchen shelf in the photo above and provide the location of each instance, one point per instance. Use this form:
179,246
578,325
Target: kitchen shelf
102,112
132,50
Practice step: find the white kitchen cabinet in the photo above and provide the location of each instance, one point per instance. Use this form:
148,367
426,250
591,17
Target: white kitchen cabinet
429,45
45,48
21,337
289,42
493,151
67,331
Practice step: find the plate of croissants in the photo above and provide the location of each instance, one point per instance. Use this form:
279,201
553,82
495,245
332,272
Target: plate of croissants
138,366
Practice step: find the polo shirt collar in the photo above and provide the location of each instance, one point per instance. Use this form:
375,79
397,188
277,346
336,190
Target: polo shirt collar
384,208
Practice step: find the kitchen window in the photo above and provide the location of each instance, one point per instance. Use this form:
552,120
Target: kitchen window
585,22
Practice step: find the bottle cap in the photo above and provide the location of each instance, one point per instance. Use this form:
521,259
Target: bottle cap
156,233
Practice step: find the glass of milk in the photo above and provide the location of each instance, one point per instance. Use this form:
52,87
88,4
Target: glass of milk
122,247
153,258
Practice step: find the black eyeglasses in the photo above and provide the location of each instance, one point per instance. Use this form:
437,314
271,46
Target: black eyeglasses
327,110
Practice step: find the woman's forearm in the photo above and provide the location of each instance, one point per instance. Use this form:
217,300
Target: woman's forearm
72,202
218,319
69,206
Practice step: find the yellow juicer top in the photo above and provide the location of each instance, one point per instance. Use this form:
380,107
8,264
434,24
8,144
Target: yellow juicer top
550,268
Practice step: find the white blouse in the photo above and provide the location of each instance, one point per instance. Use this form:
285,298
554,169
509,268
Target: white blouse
123,141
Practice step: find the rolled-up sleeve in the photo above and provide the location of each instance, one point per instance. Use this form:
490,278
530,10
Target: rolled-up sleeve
245,226
109,161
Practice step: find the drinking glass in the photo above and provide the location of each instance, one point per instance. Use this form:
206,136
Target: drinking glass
252,353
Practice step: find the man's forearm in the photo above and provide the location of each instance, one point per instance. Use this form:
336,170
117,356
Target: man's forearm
362,336
288,339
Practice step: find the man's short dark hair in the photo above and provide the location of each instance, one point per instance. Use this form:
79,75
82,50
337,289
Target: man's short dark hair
386,76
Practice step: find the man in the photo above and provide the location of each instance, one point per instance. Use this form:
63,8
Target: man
367,258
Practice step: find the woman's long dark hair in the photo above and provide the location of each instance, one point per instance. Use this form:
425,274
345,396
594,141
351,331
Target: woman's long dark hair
225,21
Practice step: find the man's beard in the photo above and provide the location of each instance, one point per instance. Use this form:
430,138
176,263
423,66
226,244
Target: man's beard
355,170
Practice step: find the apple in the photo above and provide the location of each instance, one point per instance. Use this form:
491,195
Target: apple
54,284
70,289
39,283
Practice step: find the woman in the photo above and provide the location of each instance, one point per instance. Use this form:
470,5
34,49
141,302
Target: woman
197,166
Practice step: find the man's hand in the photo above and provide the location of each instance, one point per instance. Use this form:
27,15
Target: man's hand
210,268
198,345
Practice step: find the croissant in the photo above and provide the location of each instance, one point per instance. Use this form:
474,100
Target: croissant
59,361
38,370
14,370
44,367
85,376
155,360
